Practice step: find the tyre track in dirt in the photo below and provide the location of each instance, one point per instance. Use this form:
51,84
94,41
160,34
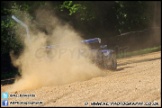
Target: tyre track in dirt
137,79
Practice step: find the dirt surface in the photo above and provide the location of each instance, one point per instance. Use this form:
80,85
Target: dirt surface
136,81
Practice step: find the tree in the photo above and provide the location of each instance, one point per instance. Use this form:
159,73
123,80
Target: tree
135,15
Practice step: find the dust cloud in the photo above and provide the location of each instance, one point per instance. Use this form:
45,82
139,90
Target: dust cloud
66,60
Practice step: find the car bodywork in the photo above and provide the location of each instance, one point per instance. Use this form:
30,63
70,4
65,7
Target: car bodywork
105,58
100,55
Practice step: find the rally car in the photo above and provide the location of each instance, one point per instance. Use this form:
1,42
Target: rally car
99,54
105,58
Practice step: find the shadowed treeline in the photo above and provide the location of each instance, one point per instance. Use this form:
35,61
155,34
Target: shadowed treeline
122,25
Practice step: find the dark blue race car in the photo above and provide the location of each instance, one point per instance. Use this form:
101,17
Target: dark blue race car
99,54
105,58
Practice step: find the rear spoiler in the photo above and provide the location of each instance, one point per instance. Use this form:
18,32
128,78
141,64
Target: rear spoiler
94,40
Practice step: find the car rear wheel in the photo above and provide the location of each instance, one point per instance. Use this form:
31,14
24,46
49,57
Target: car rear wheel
110,62
113,64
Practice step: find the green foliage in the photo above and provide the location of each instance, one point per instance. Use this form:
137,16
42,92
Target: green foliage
72,8
9,40
77,9
86,16
132,15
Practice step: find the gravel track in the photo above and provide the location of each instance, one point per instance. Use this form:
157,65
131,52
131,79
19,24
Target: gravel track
137,79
